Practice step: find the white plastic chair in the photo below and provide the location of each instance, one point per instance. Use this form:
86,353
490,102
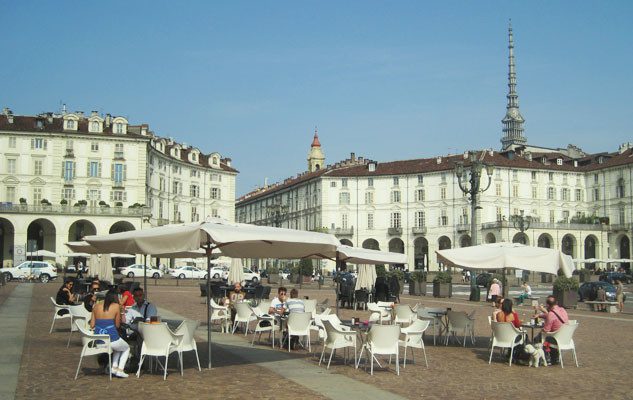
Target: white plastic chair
434,320
413,338
504,335
265,323
188,343
158,341
378,313
459,321
564,337
404,314
79,317
317,323
92,345
337,339
221,314
56,316
310,306
243,315
382,340
299,325
263,306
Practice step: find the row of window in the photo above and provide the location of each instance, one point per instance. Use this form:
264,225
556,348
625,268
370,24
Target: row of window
194,190
177,214
118,171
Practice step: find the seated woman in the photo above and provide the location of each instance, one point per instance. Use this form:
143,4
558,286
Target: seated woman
65,296
106,320
508,315
497,307
126,299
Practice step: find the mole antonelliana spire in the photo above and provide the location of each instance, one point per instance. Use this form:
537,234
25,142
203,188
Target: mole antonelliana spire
513,120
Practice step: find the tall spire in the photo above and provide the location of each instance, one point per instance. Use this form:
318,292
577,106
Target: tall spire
513,120
315,140
316,158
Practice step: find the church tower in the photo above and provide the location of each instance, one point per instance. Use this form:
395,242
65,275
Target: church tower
316,158
513,121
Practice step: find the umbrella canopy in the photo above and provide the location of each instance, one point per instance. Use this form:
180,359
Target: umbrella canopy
236,271
41,253
357,255
76,254
366,277
508,255
233,239
101,266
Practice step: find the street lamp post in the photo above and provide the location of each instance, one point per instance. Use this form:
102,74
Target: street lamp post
277,212
469,181
521,222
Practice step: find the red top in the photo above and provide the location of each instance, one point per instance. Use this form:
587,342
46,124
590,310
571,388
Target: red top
505,318
129,302
315,141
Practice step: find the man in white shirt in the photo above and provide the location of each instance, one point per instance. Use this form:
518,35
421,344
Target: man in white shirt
278,304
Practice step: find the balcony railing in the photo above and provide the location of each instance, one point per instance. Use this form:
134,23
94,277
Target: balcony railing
419,230
463,228
622,227
395,231
342,231
549,225
10,208
162,221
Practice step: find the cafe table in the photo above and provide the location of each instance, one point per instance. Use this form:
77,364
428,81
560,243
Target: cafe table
531,326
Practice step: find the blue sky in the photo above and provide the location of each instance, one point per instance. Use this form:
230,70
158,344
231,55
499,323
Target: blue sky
386,80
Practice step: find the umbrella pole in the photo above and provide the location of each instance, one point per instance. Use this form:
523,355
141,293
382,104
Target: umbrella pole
506,291
145,275
209,301
338,283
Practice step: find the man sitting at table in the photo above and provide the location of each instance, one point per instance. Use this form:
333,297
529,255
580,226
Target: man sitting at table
91,298
295,304
236,295
142,310
278,304
555,316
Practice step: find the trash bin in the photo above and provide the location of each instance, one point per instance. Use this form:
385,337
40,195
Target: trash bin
475,293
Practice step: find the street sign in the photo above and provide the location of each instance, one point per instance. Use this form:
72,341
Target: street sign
19,254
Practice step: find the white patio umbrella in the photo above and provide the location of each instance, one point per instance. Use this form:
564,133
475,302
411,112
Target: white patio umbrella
236,271
366,277
233,239
357,255
101,266
508,255
41,253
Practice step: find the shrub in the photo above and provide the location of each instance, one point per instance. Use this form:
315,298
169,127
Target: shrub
22,200
443,277
563,284
118,204
63,202
45,202
305,267
418,276
273,269
381,272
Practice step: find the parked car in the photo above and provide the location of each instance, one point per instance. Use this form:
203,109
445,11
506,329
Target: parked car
188,272
219,272
612,276
589,291
251,276
137,270
42,269
73,268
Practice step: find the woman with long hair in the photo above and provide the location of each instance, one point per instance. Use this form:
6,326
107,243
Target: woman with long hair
106,320
507,314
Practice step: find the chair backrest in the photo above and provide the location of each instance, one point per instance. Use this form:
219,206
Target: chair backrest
384,304
299,322
243,311
504,333
263,306
266,293
79,311
490,320
565,334
156,338
310,305
87,337
418,326
361,295
458,319
373,307
215,305
403,313
383,339
333,334
188,330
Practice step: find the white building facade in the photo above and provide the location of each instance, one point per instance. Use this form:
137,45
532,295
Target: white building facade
68,175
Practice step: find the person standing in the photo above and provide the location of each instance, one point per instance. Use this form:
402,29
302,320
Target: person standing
619,294
601,295
495,290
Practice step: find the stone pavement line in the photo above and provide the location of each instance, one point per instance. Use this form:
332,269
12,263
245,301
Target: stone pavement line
318,379
13,314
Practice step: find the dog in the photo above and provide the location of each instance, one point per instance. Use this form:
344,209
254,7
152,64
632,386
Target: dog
536,355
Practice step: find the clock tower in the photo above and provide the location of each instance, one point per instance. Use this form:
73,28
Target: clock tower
316,158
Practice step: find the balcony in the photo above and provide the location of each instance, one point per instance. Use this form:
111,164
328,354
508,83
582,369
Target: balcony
419,230
342,231
10,208
118,155
395,231
621,227
70,153
551,225
462,228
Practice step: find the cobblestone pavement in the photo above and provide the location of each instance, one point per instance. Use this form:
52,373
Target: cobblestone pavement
602,343
6,290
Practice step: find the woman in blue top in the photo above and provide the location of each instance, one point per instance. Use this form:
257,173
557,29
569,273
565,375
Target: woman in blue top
106,319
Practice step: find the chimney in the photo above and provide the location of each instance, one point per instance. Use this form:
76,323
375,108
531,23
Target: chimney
49,117
439,160
144,130
94,114
352,157
108,120
466,155
528,155
80,114
227,161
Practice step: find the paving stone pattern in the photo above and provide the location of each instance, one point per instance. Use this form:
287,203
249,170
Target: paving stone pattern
602,342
